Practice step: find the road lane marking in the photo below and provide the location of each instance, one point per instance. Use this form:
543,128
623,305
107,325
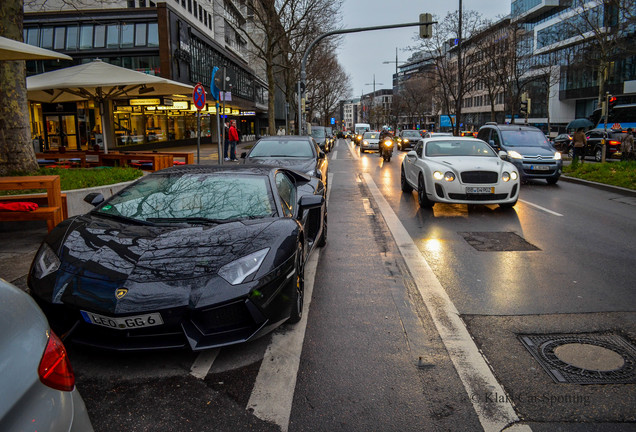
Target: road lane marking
203,363
273,392
352,150
334,155
470,365
541,208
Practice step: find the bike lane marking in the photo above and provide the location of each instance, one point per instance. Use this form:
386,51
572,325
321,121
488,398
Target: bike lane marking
273,391
472,368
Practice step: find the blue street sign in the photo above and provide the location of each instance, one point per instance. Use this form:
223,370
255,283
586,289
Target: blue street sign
333,120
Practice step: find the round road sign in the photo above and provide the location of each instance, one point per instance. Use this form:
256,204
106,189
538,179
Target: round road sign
198,96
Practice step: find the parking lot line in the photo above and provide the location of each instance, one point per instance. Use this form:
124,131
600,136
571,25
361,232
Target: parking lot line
203,363
273,391
470,365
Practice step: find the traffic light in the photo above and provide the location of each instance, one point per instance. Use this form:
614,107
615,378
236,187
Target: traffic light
523,105
611,102
426,29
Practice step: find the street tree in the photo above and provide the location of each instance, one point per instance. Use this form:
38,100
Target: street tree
453,81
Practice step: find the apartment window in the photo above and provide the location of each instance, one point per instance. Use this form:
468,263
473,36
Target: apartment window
142,3
100,36
200,13
183,4
71,37
131,3
46,36
32,36
205,18
59,38
86,37
190,6
196,7
140,34
112,36
153,35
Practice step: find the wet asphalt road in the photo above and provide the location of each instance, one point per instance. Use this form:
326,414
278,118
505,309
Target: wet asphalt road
372,358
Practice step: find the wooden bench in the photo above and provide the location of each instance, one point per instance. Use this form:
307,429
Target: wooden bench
188,157
158,161
63,156
53,213
41,200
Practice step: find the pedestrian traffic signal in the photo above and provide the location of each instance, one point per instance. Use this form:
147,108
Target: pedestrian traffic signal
523,105
426,29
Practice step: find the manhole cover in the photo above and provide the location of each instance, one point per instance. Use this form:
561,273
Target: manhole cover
497,241
584,358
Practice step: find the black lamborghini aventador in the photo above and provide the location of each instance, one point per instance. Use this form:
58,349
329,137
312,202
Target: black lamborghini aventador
189,256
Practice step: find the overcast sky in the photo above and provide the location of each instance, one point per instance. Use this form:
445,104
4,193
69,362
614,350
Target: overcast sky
362,54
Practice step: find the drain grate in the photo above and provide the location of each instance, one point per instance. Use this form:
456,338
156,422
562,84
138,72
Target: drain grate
497,241
584,358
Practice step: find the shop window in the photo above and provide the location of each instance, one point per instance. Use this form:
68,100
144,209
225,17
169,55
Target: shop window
60,33
86,37
46,40
71,37
127,35
100,36
140,34
112,36
153,35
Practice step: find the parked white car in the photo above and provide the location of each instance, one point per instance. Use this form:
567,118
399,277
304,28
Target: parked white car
459,170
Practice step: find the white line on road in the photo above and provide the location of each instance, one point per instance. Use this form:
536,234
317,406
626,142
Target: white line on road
541,208
471,366
203,363
352,150
334,155
273,391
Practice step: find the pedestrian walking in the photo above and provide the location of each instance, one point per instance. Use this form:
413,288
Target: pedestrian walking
627,146
580,141
226,141
233,136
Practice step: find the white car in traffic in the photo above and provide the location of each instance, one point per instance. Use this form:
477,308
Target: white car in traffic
459,170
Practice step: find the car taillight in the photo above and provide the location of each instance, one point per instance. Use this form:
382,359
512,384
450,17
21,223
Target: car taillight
55,369
614,142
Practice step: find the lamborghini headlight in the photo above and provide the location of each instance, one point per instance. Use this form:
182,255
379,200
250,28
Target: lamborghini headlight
237,271
45,263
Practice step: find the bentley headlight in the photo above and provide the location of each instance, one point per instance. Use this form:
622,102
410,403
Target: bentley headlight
505,176
45,263
514,175
438,175
449,176
237,271
514,155
557,156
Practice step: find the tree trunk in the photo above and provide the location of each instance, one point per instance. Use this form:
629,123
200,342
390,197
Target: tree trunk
16,151
271,107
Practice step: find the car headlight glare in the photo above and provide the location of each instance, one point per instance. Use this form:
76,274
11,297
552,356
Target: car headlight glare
514,175
45,263
406,140
388,143
359,137
514,155
237,271
505,176
557,156
449,176
365,142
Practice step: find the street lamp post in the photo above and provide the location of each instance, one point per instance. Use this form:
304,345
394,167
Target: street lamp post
372,96
396,87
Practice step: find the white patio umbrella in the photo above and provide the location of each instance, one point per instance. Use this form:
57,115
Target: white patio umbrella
13,50
100,82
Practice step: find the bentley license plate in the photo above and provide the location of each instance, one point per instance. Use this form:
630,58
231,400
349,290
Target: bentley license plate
123,323
480,190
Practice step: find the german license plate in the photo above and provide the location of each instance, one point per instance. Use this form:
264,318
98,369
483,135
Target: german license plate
540,167
480,190
123,323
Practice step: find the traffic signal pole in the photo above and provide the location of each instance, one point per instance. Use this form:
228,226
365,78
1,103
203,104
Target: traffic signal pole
303,64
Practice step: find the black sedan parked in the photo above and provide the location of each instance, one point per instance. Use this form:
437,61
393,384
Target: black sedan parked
564,144
300,153
188,256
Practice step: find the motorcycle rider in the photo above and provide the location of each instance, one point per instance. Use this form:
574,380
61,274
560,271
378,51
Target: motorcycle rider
384,135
